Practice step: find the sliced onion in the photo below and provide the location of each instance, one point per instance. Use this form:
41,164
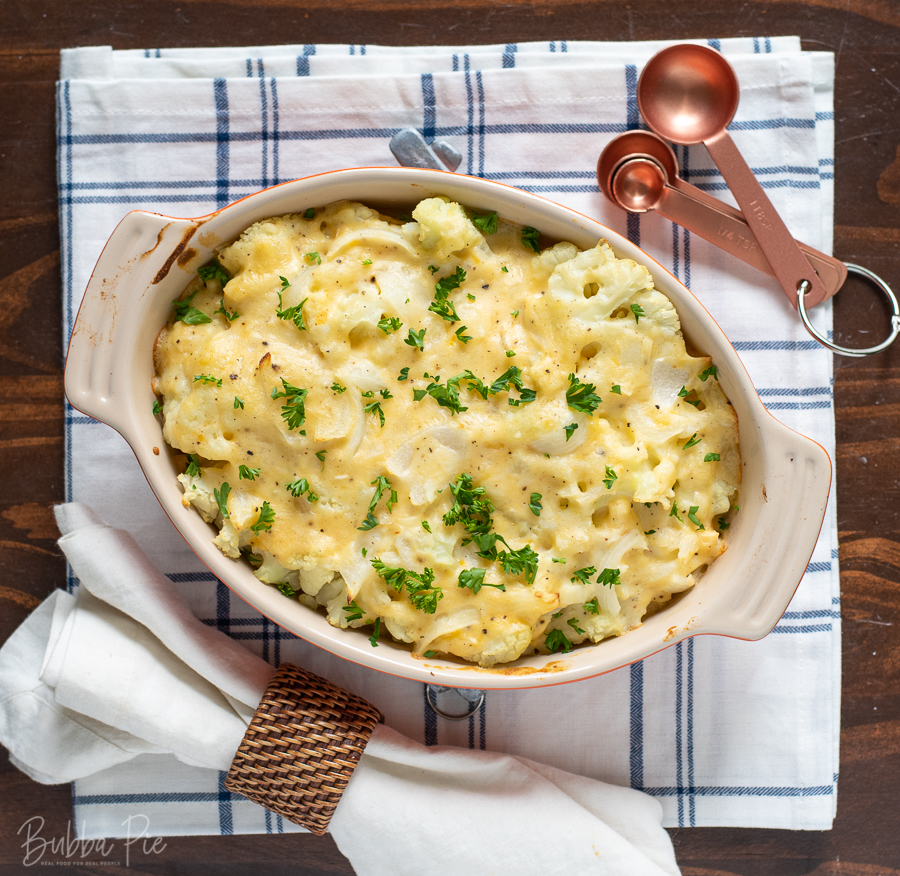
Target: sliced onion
359,430
555,442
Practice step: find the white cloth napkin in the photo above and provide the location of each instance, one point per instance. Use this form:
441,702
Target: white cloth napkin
123,668
721,732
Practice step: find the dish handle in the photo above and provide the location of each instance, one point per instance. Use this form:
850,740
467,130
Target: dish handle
145,250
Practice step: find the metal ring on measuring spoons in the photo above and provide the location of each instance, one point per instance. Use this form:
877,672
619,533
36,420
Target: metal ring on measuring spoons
475,698
846,351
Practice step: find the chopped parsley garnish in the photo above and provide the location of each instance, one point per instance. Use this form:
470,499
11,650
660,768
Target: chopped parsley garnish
447,284
231,317
473,579
513,377
293,411
582,576
221,497
510,354
207,379
266,518
514,314
245,473
382,485
320,455
336,387
426,526
447,396
592,606
573,623
638,312
238,403
504,269
187,313
530,238
430,654
463,337
313,257
418,585
286,589
299,487
487,224
616,389
650,532
674,512
157,407
712,371
570,429
291,314
250,557
692,516
442,305
389,324
376,631
471,507
375,408
310,213
353,612
609,578
711,457
581,396
611,477
193,466
214,271
692,441
559,560
684,392
433,268
723,524
556,641
470,296
522,560
415,339
535,504
404,374
474,384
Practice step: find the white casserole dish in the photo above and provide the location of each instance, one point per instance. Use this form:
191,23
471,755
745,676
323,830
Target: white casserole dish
149,260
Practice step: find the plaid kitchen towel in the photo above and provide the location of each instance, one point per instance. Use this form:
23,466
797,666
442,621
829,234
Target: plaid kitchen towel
723,732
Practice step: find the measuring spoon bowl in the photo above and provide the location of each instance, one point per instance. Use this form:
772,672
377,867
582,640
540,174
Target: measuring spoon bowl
688,94
639,183
630,145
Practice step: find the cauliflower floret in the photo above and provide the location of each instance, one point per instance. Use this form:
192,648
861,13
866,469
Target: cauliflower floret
505,648
545,263
598,282
658,309
443,227
199,494
272,572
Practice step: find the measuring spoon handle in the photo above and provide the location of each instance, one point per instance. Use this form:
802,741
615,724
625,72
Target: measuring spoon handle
726,227
789,265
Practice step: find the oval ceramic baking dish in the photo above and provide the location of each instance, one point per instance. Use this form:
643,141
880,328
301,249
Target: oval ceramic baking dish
150,259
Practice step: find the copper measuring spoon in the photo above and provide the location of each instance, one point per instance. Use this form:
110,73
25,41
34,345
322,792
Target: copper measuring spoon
638,172
688,94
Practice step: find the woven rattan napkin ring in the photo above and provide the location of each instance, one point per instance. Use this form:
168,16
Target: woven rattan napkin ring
301,747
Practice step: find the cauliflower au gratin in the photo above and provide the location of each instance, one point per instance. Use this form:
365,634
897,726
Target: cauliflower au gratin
432,429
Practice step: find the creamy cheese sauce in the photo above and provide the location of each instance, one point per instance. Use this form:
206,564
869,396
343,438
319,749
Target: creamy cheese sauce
337,436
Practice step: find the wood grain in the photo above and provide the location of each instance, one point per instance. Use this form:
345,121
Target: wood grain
863,34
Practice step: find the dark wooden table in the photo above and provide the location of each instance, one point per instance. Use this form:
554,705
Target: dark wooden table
865,37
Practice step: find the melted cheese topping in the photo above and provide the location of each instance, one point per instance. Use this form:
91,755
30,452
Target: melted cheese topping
619,469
